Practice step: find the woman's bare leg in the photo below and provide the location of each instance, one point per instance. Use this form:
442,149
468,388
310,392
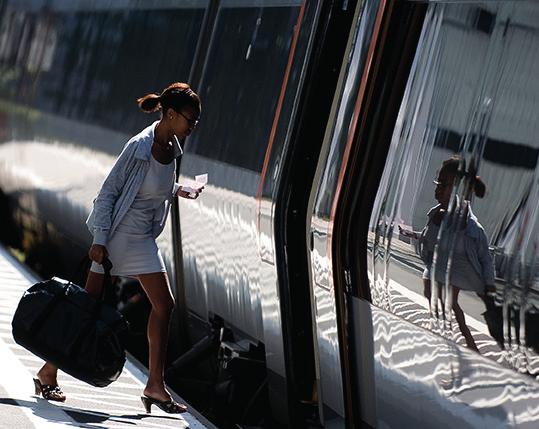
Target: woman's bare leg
426,289
427,293
157,289
459,315
48,373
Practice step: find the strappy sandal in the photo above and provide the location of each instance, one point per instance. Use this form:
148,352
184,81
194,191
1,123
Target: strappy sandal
49,392
170,406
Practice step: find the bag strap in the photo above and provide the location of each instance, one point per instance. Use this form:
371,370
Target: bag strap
107,267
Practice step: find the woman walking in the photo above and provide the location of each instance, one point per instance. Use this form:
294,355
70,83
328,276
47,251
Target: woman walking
471,267
128,215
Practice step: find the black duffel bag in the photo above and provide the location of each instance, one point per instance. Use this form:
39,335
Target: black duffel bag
63,324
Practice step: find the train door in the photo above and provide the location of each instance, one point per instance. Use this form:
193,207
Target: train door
436,228
303,107
379,52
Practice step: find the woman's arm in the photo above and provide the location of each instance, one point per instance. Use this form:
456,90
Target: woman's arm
485,259
409,232
109,193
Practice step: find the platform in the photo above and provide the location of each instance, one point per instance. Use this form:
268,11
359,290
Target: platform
114,407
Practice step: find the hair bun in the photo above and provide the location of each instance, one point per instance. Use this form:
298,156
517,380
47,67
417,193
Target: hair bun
176,96
149,103
479,187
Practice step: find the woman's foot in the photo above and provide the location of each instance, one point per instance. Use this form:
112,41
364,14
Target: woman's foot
160,397
48,374
46,384
170,406
157,392
48,391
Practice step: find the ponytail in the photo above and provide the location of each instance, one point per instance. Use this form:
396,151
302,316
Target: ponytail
479,187
149,103
453,167
175,96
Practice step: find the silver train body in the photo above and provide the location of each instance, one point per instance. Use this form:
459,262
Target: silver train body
323,126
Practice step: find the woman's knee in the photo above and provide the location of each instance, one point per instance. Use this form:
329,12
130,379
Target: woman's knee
158,292
457,309
164,306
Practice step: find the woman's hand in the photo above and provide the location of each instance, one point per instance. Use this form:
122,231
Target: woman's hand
188,192
408,232
98,253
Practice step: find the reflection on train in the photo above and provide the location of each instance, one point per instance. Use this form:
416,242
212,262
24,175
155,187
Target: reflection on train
365,253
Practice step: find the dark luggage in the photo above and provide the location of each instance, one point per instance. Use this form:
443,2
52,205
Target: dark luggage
61,323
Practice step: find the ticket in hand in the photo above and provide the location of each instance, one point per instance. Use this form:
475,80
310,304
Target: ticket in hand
189,189
201,179
194,187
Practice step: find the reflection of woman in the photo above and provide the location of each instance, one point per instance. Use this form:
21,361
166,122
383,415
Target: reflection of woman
471,266
129,213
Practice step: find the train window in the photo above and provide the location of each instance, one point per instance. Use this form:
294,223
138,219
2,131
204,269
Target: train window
89,61
249,39
339,137
454,233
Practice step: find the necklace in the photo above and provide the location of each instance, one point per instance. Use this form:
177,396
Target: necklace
161,155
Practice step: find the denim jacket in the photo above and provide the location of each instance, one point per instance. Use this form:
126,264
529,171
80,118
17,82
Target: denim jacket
122,185
477,249
475,244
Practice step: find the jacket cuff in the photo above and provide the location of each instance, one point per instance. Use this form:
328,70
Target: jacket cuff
100,237
175,189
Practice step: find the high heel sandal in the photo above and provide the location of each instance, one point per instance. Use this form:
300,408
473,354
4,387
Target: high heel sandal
170,406
48,391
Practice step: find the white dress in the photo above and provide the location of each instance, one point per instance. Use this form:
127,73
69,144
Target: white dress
132,248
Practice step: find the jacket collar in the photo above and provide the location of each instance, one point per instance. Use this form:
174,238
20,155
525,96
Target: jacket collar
472,224
144,142
472,227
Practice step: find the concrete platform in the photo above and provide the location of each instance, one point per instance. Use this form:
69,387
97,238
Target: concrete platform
116,406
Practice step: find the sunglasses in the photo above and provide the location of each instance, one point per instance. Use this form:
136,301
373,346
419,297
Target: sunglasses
442,184
192,122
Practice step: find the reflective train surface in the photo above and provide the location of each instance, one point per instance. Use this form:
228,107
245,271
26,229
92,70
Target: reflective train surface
303,294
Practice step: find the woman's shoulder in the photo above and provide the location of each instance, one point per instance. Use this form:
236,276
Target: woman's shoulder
146,133
473,226
433,210
141,144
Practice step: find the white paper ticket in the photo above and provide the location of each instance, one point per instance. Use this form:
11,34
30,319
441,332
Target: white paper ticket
201,179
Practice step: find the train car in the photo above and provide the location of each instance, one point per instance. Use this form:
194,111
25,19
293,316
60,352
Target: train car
305,296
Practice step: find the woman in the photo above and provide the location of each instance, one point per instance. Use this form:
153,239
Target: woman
471,267
128,214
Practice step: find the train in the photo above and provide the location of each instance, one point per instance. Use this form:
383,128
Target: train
298,276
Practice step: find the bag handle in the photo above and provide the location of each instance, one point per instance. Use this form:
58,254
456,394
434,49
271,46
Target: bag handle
107,267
